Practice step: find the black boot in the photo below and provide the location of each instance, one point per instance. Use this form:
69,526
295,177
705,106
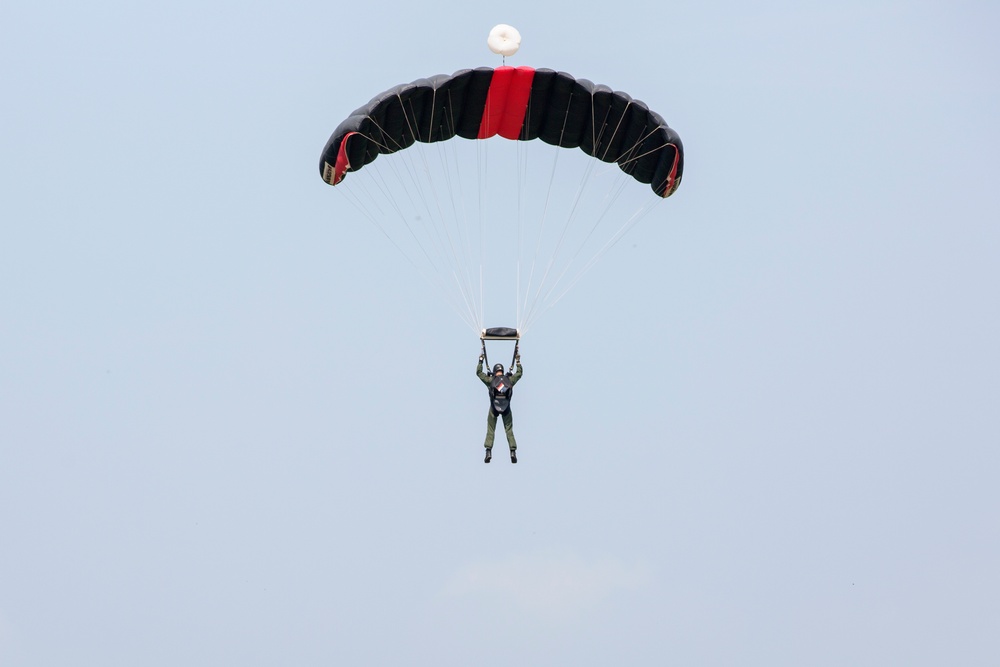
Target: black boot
489,455
513,456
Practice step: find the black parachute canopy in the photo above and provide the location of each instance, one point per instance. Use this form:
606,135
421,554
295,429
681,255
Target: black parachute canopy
519,103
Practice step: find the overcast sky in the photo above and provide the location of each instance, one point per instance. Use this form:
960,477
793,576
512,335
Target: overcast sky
236,428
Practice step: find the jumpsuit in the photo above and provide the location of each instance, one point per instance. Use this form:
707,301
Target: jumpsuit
500,404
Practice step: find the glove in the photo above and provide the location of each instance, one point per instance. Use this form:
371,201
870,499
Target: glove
480,358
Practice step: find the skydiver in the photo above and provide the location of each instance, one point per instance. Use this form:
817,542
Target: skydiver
501,391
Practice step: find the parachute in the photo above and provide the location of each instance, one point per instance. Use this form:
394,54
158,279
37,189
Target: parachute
502,222
515,103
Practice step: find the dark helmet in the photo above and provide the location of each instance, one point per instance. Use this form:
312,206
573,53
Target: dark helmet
498,368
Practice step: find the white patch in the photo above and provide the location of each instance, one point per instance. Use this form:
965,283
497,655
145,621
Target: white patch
550,585
504,40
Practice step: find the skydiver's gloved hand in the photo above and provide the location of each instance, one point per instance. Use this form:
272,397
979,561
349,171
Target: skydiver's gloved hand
480,358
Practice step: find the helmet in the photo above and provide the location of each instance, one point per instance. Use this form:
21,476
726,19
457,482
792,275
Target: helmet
498,368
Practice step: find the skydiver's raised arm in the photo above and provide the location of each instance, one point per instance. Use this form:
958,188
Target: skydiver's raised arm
479,372
518,373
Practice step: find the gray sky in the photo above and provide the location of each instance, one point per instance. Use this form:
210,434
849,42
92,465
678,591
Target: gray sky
210,448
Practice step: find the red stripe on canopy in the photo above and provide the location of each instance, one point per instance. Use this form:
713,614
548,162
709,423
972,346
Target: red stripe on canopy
506,102
343,164
672,177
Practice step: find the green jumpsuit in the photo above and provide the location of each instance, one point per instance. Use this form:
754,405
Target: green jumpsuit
491,418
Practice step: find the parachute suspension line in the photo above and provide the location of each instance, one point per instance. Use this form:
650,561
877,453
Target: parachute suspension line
482,236
405,160
463,218
622,231
430,246
609,199
641,155
548,301
446,246
433,251
466,288
622,161
481,164
456,216
536,300
462,275
482,190
524,151
543,218
543,302
569,217
621,119
540,303
522,174
434,279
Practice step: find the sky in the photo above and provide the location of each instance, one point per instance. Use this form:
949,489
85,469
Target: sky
236,428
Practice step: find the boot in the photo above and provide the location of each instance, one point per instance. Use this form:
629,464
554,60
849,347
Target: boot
513,456
489,455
